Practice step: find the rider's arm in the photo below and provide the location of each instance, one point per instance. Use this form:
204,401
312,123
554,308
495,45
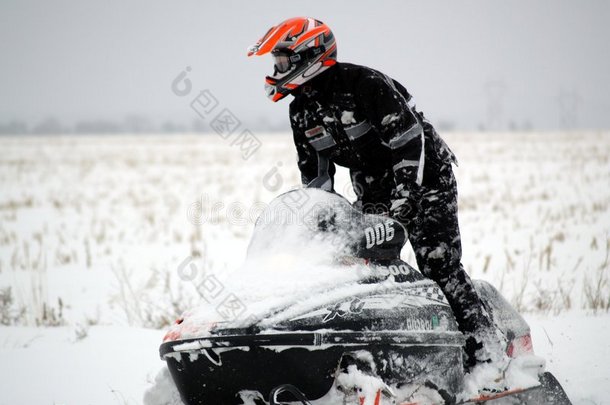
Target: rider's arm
316,171
388,110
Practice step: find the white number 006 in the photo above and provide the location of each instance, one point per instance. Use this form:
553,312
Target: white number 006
379,233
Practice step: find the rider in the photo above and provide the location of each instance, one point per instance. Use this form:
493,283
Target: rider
364,120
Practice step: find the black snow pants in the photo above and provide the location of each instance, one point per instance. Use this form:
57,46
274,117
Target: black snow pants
435,237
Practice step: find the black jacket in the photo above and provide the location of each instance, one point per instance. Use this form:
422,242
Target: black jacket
361,119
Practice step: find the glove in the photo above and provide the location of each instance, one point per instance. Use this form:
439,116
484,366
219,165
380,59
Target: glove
406,204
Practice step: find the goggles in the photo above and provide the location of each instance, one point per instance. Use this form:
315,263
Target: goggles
285,59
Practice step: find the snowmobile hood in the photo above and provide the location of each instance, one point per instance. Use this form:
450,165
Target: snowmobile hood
385,306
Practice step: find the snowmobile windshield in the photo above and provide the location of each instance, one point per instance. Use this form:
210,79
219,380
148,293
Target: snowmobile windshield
306,222
312,223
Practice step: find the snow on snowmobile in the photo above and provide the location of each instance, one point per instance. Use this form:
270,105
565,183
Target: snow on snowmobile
387,338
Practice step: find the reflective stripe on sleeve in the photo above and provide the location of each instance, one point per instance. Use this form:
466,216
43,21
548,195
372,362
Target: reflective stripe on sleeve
405,163
422,160
406,137
323,142
358,130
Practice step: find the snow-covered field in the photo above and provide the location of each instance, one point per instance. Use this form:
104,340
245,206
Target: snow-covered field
96,233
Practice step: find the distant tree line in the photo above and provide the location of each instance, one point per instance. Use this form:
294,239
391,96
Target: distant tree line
133,124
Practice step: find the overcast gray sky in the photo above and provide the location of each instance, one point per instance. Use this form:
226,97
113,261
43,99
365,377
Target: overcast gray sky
467,62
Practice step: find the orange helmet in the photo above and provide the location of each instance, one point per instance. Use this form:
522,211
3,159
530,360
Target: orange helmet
301,47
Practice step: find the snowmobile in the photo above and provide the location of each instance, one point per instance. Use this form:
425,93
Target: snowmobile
390,338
